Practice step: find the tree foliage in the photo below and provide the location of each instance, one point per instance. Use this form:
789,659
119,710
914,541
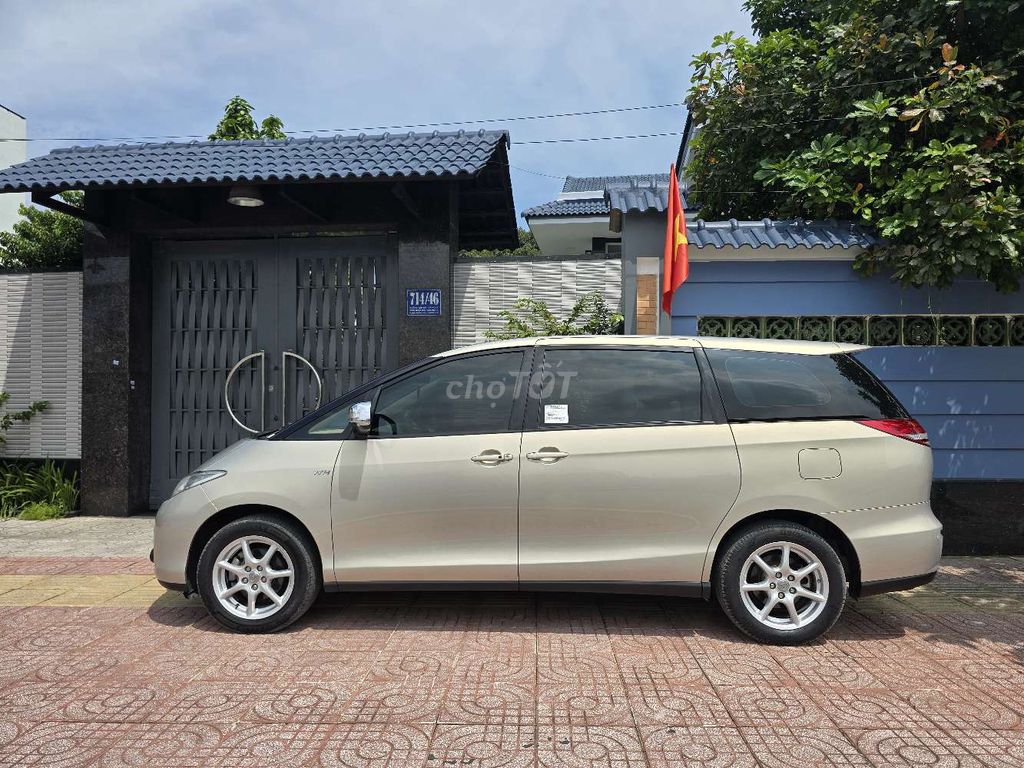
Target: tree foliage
527,247
530,317
44,240
906,115
238,123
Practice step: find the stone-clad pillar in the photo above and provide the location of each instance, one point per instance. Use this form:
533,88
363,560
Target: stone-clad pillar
115,374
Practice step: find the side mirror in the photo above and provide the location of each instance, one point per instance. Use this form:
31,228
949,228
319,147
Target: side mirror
360,417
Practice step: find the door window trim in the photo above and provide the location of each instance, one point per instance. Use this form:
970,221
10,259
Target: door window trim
710,414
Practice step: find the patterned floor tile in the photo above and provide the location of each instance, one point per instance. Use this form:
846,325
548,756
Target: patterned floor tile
784,747
763,707
581,746
60,745
284,744
672,704
391,703
486,746
696,747
167,745
744,669
494,702
867,707
905,748
571,704
963,707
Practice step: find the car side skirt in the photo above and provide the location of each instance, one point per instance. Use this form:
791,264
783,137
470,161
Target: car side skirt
869,588
674,588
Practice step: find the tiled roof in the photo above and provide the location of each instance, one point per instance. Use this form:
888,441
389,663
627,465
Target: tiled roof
595,207
598,204
598,183
779,234
765,233
637,198
408,155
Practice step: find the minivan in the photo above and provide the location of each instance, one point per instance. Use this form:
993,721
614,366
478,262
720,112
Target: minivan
776,478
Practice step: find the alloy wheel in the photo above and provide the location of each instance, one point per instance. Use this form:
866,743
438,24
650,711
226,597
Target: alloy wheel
253,577
784,585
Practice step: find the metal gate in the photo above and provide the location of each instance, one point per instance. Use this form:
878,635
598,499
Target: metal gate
249,335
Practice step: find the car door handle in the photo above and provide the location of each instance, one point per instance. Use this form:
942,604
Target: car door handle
491,458
547,455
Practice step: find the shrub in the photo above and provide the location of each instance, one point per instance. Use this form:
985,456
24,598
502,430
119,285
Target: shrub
41,510
530,317
24,484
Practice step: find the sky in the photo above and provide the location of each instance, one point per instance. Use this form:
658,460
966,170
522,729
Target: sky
91,69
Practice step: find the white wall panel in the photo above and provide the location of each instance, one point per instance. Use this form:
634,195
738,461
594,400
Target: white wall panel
484,287
41,359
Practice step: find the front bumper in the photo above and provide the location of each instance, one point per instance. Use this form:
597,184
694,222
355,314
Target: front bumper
893,544
177,522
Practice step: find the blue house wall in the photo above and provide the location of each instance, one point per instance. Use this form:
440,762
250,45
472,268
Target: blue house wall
970,399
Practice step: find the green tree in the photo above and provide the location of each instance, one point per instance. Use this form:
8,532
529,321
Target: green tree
44,240
530,317
527,247
906,115
238,123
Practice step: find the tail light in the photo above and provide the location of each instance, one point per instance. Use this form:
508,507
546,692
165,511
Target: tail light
908,429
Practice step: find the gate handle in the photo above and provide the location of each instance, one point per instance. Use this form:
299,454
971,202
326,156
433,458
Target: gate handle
263,391
284,381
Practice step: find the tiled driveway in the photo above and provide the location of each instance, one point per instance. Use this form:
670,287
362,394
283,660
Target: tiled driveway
100,666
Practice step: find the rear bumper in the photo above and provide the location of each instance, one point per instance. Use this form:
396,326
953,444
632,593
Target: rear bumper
893,544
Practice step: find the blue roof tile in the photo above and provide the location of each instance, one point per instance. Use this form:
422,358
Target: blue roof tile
779,234
594,207
411,155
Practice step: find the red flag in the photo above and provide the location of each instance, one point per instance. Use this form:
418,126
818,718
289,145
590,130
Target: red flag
677,262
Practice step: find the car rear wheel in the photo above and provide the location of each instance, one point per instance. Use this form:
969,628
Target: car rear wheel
781,583
257,574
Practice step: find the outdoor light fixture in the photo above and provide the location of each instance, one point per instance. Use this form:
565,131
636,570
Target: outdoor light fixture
245,196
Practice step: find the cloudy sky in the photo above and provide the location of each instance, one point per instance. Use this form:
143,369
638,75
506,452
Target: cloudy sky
86,68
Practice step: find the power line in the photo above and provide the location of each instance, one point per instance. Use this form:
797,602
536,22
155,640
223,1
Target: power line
406,126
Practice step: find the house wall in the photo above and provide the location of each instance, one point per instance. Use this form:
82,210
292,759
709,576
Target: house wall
41,359
12,126
482,288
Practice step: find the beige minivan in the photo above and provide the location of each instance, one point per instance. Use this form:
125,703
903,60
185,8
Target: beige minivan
775,477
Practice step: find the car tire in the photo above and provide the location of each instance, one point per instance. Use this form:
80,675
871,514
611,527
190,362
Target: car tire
238,582
780,605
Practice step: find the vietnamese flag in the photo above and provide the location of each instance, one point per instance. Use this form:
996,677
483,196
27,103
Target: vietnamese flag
677,262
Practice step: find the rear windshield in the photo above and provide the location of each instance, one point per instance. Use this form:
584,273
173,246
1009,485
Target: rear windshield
774,386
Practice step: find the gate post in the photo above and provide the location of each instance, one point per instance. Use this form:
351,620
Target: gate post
116,366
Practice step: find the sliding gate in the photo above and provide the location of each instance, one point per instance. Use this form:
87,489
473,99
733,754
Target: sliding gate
249,335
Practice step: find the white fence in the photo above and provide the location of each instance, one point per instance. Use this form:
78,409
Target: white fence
41,359
483,287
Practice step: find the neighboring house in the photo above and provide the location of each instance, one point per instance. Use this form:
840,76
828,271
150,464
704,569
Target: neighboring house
13,150
579,222
576,222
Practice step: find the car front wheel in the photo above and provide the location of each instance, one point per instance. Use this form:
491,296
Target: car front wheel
257,574
781,583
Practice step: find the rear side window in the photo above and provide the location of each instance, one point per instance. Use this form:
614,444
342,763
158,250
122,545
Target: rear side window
616,387
774,386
